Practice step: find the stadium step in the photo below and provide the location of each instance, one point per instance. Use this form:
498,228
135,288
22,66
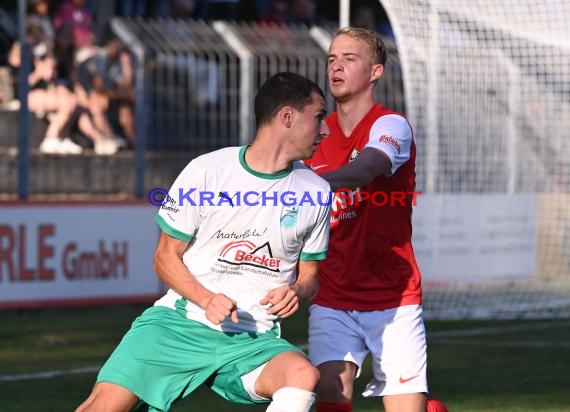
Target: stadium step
9,120
89,174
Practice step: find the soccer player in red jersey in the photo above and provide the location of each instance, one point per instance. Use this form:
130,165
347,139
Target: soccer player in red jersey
369,299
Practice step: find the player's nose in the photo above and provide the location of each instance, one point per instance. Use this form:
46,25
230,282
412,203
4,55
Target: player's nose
325,131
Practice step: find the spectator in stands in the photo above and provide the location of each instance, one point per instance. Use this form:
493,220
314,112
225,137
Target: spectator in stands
46,96
64,52
76,16
104,83
59,42
53,99
39,16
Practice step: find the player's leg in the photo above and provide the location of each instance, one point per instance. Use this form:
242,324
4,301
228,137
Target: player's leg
337,346
162,358
406,402
265,369
108,397
335,390
397,342
338,385
289,379
287,369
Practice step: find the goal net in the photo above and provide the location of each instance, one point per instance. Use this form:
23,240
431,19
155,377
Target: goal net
487,90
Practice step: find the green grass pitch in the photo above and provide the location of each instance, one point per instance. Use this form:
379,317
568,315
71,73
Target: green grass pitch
49,358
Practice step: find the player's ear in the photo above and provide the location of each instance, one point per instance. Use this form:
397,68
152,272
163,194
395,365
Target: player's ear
377,71
286,116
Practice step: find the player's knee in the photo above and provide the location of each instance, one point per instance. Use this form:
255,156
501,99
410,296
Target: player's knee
313,375
304,375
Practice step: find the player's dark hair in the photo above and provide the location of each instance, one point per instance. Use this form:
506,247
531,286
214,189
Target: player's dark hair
280,90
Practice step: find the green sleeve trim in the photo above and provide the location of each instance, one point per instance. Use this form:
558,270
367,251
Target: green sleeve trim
166,228
314,256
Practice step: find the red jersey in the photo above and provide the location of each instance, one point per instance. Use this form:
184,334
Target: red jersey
370,263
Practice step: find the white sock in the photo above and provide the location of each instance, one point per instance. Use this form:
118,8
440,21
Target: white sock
289,399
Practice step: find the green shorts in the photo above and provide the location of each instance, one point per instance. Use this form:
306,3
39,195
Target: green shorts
164,357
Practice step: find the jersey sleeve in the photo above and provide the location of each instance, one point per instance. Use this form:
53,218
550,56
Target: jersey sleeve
179,215
392,135
317,240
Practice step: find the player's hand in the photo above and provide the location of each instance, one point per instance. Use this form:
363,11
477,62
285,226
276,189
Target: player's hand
220,307
283,300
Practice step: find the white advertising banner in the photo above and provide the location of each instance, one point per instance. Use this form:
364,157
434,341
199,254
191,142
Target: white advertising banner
53,253
473,238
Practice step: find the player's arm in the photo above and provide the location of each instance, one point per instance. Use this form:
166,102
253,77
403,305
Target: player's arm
285,300
170,268
307,282
388,147
362,170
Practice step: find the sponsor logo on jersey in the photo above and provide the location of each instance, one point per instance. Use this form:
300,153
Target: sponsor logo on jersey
344,205
245,252
391,141
170,205
253,232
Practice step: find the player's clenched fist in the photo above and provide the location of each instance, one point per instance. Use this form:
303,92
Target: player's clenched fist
283,300
220,307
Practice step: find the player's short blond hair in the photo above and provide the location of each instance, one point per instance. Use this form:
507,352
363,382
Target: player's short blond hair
372,39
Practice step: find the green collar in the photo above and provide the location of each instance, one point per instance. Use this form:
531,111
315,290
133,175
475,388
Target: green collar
271,176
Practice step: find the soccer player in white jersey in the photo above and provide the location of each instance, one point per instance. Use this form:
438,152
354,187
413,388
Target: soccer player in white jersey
239,252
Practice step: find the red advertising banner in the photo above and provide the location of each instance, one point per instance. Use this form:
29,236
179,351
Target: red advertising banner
68,254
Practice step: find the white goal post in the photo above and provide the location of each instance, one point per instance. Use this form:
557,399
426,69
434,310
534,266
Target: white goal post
487,88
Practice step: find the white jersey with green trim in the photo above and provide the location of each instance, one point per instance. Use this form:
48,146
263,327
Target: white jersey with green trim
246,230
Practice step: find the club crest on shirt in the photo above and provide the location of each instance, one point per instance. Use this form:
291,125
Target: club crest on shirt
289,216
353,155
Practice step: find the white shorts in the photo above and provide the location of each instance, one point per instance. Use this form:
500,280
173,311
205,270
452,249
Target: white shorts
396,339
